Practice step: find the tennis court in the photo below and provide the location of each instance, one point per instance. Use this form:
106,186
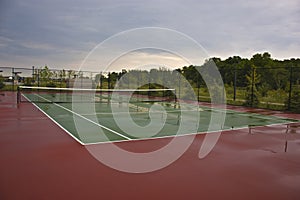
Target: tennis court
37,153
99,116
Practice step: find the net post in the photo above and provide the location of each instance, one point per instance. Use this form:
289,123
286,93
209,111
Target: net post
18,95
250,128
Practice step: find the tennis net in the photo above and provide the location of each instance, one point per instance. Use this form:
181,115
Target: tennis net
69,95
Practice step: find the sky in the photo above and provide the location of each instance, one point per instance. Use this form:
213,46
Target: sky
62,33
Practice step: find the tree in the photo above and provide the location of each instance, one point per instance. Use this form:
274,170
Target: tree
191,74
71,74
262,60
251,91
112,79
62,74
45,76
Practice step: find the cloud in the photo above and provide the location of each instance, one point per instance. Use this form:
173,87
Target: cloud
43,30
141,59
4,42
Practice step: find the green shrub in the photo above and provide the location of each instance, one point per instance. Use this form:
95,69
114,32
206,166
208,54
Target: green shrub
295,101
1,82
50,84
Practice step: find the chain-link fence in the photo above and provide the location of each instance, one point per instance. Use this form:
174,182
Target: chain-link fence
271,88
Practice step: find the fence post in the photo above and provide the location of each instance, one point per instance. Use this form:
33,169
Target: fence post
149,83
108,80
38,77
198,90
33,77
179,83
101,80
234,87
290,89
13,78
252,87
61,77
128,78
163,82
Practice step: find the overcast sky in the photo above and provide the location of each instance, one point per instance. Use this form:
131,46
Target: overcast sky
60,34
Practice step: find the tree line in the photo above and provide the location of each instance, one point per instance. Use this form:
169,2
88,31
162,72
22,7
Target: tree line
254,81
257,81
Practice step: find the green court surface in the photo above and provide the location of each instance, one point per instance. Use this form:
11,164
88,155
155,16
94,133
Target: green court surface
97,122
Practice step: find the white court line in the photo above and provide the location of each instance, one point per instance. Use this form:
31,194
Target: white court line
245,112
171,136
160,137
55,121
270,125
135,112
91,121
187,134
